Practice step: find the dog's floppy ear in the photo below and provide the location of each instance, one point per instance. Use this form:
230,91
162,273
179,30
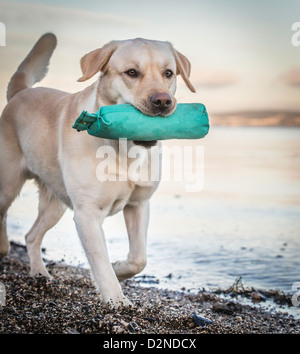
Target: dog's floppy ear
95,61
183,68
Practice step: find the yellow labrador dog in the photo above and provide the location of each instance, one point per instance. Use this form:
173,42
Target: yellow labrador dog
37,142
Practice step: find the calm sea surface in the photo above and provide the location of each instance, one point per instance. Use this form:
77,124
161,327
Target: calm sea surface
245,221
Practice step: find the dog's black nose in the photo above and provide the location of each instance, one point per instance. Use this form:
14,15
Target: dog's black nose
161,101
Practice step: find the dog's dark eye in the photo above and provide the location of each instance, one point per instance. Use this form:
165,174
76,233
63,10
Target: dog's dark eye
169,73
132,73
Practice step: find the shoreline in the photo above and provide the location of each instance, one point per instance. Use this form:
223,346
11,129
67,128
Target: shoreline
69,304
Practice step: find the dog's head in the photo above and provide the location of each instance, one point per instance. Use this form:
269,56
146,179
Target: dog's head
140,72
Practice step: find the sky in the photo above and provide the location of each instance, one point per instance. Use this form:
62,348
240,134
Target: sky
241,52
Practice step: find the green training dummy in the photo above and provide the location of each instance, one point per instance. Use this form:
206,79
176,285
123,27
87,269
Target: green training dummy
189,121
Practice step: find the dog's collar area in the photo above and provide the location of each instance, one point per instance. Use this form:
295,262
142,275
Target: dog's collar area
145,144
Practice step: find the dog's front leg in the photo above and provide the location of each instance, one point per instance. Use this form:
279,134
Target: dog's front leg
89,226
137,220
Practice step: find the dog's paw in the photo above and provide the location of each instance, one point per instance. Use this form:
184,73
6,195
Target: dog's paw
118,303
40,271
128,269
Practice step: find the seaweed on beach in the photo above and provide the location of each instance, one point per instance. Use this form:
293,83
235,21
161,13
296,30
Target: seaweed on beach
256,295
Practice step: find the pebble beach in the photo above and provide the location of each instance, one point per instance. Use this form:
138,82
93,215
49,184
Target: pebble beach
69,304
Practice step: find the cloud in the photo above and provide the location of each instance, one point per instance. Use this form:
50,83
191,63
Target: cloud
214,79
78,31
291,77
29,20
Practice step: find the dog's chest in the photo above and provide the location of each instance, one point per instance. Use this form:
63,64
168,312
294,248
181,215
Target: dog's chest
117,206
132,193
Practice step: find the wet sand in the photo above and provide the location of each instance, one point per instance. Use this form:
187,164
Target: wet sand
69,304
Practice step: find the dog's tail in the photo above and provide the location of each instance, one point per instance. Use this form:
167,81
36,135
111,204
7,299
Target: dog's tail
34,67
